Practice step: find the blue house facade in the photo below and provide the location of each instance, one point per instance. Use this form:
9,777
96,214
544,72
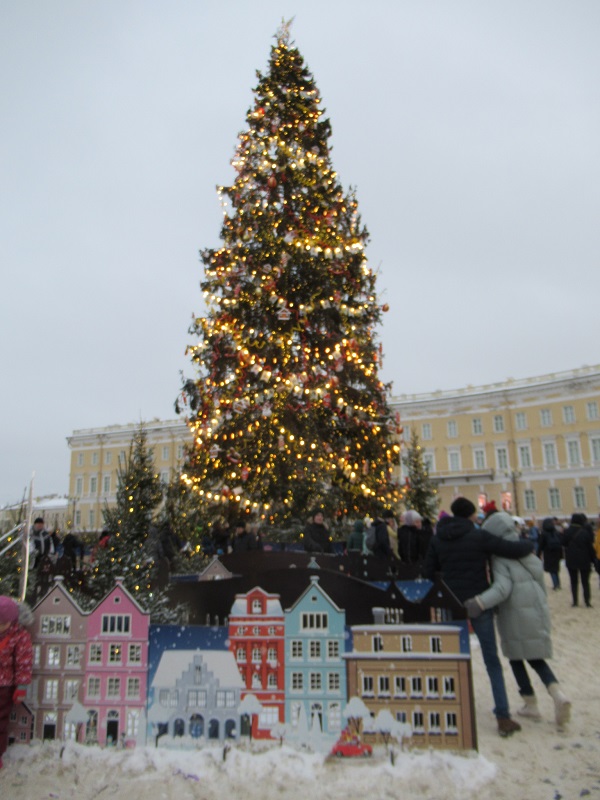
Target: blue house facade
315,670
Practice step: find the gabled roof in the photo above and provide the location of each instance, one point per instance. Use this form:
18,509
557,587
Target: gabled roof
59,586
120,586
222,664
314,584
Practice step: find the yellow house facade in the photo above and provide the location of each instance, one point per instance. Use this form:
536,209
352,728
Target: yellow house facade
97,454
532,446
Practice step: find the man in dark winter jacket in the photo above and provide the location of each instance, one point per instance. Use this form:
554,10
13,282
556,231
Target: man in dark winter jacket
316,536
460,552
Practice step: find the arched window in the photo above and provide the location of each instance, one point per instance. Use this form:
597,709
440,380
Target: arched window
196,726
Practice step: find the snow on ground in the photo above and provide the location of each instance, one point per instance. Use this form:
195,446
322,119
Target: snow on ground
537,764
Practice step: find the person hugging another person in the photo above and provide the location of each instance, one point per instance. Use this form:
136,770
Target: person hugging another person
16,663
523,619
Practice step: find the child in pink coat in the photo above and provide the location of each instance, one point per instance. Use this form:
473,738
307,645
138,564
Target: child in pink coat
16,660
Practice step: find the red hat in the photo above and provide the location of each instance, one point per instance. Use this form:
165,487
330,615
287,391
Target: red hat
490,507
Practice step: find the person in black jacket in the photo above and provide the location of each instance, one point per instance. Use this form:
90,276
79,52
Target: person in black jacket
460,552
243,540
316,536
551,550
578,541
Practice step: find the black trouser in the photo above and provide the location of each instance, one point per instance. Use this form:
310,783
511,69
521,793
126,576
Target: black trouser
584,575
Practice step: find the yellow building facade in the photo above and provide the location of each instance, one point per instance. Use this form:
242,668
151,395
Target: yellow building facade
532,446
97,454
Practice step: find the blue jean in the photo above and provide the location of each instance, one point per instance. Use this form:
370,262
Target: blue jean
483,627
520,672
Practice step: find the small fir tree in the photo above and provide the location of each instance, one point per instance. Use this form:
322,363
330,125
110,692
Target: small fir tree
288,412
420,493
128,552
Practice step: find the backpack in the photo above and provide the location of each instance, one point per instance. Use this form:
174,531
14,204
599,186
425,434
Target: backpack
371,537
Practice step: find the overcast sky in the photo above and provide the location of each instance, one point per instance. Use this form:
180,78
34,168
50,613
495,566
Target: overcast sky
471,131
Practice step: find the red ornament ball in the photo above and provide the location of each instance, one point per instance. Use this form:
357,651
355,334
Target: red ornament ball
385,307
272,182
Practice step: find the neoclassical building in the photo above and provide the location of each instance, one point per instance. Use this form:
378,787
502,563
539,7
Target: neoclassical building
531,445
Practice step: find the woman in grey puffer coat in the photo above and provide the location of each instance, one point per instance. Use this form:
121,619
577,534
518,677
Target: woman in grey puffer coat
523,619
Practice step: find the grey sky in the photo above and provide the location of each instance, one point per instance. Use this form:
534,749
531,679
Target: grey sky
471,131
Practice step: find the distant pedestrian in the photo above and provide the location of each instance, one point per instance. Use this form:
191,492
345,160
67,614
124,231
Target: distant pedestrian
45,542
551,550
316,537
580,556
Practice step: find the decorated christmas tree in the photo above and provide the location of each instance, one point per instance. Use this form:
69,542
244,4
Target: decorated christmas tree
420,493
288,410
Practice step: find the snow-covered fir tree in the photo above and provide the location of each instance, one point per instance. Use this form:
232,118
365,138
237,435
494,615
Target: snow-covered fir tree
420,493
288,410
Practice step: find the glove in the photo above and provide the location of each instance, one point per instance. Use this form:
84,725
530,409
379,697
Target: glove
473,608
19,694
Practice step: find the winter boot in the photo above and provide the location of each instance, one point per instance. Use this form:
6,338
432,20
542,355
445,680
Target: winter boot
507,726
562,706
530,708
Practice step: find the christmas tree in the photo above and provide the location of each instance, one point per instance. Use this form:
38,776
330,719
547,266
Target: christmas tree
129,550
288,410
419,493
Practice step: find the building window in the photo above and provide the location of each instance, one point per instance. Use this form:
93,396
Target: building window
521,421
568,414
367,686
107,458
256,655
454,461
452,429
333,681
73,655
436,644
579,497
51,689
546,418
53,656
56,625
549,454
451,722
180,452
426,435
384,685
133,723
377,643
78,519
297,681
573,453
116,623
80,459
429,462
92,518
297,649
240,655
416,686
592,410
399,686
113,688
272,680
432,686
268,717
406,644
314,621
315,679
401,716
417,722
272,654
95,653
479,458
334,713
37,655
529,496
256,631
256,606
524,455
93,484
595,443
502,457
449,686
554,498
114,654
106,484
166,452
314,649
79,486
498,423
477,426
134,654
333,649
225,698
196,698
435,722
94,459
133,687
93,687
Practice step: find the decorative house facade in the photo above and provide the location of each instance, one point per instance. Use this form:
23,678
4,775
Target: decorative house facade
420,674
315,674
59,639
196,695
116,668
257,642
